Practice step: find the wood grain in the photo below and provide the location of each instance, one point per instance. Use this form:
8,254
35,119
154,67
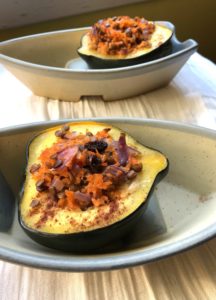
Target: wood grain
190,275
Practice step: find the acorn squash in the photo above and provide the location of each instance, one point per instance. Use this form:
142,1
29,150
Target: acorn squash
86,185
123,41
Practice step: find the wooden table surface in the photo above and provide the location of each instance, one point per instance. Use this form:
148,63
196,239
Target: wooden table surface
190,98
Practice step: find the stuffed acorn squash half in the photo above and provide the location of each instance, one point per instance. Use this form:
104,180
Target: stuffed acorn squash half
86,185
123,41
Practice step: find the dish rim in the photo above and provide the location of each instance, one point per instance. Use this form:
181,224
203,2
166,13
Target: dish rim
154,62
101,262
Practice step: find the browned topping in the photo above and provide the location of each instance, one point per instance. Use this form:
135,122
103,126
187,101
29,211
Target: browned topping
106,129
109,158
121,35
54,156
131,174
83,200
89,133
53,193
57,184
34,168
69,136
60,195
137,167
114,174
60,133
63,132
82,172
65,127
40,185
49,204
57,164
49,165
34,203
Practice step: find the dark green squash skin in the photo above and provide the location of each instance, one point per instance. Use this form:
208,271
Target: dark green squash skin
94,240
98,63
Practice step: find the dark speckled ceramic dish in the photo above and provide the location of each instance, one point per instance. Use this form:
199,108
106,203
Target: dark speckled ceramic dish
181,214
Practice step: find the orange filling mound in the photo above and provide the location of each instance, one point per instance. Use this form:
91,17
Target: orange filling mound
121,35
80,171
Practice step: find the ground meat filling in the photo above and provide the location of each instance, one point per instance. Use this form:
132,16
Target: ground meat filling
81,171
121,35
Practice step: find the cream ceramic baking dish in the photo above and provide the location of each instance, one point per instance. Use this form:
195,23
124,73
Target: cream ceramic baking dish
49,65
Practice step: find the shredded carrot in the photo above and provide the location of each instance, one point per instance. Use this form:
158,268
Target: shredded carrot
102,134
62,203
100,201
132,161
71,203
96,184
